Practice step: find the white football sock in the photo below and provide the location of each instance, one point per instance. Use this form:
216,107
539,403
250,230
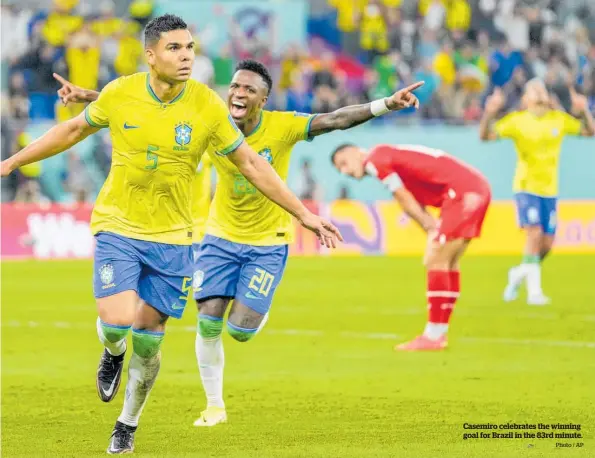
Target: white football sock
211,360
517,274
434,331
262,323
142,373
114,348
534,279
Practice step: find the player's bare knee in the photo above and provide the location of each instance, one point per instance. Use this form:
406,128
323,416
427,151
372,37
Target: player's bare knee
213,306
149,318
119,309
437,262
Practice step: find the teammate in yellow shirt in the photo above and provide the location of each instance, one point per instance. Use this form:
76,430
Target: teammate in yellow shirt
201,200
244,252
537,133
160,123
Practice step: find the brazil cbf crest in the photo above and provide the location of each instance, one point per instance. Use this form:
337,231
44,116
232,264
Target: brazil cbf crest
266,153
106,274
183,136
197,280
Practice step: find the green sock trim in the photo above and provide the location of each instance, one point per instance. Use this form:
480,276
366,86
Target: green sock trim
531,259
146,344
209,327
114,333
240,334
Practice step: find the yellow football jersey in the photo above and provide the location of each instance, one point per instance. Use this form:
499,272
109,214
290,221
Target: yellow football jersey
239,213
156,148
201,198
537,141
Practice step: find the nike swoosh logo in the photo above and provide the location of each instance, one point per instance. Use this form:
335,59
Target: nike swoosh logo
177,307
128,126
249,295
109,392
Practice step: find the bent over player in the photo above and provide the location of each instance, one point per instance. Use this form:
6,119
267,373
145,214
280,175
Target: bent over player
418,177
242,258
537,133
160,123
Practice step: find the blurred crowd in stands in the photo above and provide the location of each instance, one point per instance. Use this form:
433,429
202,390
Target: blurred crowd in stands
462,49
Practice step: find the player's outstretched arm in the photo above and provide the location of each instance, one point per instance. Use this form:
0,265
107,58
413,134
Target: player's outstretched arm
59,138
354,115
494,104
259,172
414,210
75,94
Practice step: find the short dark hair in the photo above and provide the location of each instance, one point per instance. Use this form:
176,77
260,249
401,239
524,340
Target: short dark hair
258,68
162,24
341,147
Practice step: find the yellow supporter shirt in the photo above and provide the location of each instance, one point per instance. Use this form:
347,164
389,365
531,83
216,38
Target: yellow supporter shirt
107,27
241,214
83,66
201,198
129,56
444,66
373,32
156,148
458,15
58,27
347,13
537,141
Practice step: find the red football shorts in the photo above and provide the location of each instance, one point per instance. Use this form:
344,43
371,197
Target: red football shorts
462,215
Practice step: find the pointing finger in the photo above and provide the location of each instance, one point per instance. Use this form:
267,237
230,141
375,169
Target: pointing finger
60,79
414,86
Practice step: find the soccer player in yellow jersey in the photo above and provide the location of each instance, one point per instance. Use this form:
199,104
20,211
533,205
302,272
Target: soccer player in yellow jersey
160,123
243,254
201,198
537,132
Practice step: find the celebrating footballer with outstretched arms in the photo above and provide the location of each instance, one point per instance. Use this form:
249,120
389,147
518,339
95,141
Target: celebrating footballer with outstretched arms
537,132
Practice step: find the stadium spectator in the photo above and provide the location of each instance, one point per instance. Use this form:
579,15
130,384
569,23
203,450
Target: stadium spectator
503,62
83,61
298,98
130,50
61,23
202,69
19,99
307,188
373,30
458,16
348,14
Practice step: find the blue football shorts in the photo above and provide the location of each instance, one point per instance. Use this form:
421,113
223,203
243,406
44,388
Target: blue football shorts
534,210
247,273
160,273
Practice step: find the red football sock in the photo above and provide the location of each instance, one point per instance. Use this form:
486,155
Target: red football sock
439,295
455,288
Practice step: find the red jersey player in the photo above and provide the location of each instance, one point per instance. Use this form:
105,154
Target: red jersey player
418,177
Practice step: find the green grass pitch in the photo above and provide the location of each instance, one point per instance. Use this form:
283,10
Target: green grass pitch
322,380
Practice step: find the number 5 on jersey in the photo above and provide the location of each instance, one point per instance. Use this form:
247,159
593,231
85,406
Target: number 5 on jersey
186,288
152,158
